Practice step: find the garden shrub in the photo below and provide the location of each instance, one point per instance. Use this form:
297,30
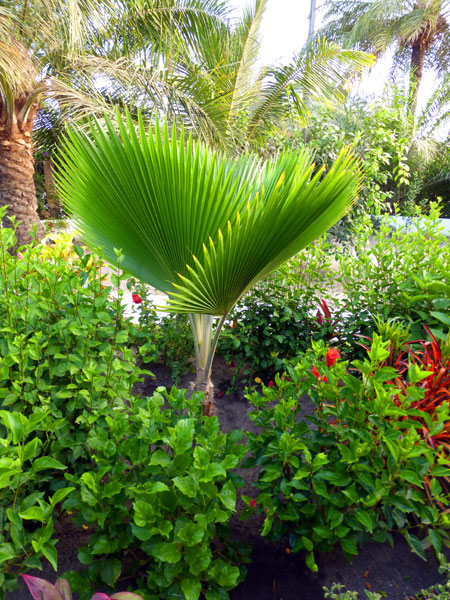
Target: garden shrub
64,344
165,338
354,470
402,273
276,320
26,514
158,499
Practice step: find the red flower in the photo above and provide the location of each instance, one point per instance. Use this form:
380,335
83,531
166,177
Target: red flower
136,299
270,383
315,372
319,317
324,379
252,502
332,356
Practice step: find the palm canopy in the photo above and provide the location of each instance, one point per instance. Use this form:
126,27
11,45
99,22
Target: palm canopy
194,224
417,30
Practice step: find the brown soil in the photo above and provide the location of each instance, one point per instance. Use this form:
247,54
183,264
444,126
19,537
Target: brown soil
275,574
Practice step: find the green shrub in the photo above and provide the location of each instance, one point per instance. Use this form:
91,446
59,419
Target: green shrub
402,273
165,338
158,498
26,514
355,469
276,320
63,348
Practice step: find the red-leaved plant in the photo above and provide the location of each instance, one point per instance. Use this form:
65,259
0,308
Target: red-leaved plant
429,357
44,590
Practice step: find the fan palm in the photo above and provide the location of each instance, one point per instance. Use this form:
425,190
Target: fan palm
417,29
194,224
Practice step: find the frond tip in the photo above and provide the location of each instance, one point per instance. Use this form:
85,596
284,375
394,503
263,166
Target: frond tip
166,203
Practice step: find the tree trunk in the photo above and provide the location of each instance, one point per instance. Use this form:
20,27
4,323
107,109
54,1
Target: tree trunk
54,207
312,19
17,188
417,61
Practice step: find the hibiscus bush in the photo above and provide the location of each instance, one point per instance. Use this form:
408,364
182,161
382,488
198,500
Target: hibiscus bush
354,470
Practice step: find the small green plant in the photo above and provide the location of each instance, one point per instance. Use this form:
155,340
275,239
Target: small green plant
26,513
162,338
158,497
64,344
355,469
41,589
338,592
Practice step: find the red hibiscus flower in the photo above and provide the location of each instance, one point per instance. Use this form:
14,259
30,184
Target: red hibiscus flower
136,299
332,356
315,372
252,502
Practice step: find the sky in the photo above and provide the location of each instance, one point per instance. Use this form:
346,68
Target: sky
284,30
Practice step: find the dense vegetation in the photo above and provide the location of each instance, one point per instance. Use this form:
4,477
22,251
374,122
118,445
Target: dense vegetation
233,208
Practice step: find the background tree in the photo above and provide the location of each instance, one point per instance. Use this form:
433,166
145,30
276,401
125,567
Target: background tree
417,31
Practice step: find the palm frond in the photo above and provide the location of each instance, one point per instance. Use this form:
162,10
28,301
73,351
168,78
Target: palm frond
194,224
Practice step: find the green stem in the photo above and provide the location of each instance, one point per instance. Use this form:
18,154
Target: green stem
204,343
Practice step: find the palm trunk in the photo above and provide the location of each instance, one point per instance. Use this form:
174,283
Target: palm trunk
17,188
205,346
417,62
53,204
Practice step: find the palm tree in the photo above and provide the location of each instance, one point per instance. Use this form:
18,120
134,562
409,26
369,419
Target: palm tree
194,224
230,101
418,31
56,51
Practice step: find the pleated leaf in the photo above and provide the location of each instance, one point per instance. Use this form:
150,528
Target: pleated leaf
194,224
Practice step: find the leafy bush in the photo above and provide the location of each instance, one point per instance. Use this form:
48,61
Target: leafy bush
158,499
26,515
356,471
163,338
275,321
63,345
402,273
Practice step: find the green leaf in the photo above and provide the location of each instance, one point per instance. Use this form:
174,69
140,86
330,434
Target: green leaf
46,462
7,552
227,496
35,513
167,552
60,495
221,241
349,546
411,477
110,571
50,553
416,545
365,519
191,588
435,539
187,485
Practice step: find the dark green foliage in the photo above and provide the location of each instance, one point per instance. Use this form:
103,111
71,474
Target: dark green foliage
63,346
159,497
163,338
353,471
26,513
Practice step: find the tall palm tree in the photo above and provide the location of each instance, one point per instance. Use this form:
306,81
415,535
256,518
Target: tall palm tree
38,39
219,88
194,224
417,30
60,51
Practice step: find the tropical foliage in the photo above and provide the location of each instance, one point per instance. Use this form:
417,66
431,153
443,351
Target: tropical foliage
417,31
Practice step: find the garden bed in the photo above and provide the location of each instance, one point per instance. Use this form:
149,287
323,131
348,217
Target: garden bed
274,573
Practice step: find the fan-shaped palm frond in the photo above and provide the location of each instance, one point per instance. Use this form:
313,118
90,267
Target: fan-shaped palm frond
196,225
191,223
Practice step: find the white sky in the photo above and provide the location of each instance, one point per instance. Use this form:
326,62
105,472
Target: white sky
284,30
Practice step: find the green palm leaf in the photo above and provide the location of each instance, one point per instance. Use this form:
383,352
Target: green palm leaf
194,224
